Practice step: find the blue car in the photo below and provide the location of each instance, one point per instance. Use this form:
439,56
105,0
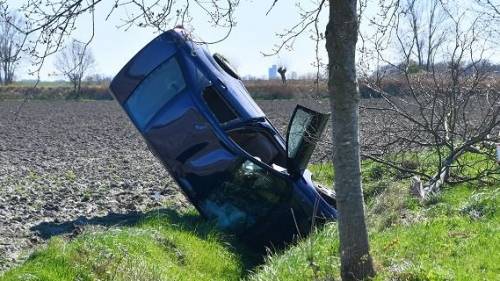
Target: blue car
231,163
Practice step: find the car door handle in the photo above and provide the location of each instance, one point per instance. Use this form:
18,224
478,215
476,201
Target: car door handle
200,126
221,84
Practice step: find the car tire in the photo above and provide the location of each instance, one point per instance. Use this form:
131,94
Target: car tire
226,66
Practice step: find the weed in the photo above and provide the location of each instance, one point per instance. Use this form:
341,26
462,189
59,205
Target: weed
482,204
70,175
388,208
372,189
377,172
432,199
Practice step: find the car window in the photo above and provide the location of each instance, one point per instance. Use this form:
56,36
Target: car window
260,145
304,131
219,107
248,195
297,132
155,91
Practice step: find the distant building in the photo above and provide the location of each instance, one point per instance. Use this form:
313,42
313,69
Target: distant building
273,72
294,75
250,77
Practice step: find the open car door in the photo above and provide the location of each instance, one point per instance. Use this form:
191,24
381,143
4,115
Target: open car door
304,130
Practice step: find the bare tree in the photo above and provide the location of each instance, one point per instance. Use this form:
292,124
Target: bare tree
52,21
442,124
282,72
10,47
490,6
424,20
98,80
74,62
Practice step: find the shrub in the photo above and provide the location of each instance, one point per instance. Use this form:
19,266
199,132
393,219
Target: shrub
53,93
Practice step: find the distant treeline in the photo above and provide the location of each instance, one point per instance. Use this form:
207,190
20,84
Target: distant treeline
53,92
259,89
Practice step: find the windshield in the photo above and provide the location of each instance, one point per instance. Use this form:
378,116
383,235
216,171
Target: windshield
159,87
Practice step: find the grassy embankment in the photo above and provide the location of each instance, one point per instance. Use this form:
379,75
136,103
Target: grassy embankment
164,245
454,236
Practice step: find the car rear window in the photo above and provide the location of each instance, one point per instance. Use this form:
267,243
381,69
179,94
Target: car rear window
159,87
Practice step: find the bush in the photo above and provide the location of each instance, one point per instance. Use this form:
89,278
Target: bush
274,89
53,93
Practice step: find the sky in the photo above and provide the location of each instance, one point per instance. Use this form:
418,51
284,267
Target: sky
253,34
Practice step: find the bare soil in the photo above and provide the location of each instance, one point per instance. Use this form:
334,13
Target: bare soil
63,164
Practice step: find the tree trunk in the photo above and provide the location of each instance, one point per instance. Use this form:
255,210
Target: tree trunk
74,82
79,88
5,73
423,191
341,38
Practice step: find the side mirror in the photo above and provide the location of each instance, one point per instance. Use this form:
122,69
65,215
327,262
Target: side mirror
304,130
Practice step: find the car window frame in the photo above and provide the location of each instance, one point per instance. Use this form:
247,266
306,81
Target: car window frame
225,101
247,124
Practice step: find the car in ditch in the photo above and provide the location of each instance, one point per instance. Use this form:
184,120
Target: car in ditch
231,163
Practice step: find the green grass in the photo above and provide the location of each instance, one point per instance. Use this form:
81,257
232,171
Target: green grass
455,236
163,246
376,177
439,249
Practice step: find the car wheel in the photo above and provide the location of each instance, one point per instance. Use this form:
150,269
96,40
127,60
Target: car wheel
224,64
